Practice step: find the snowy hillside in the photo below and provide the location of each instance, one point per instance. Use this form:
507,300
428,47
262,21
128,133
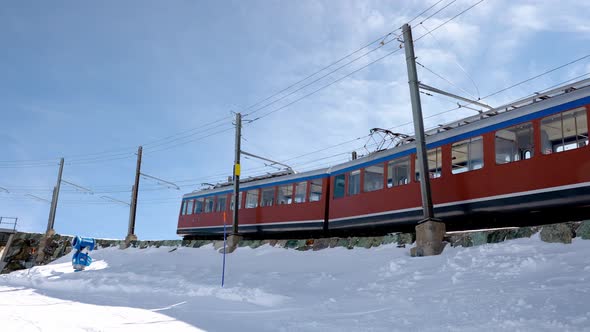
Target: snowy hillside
522,284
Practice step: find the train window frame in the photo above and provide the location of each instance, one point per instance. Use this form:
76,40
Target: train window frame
474,148
218,205
372,182
514,143
183,208
433,172
265,202
252,198
288,199
300,192
189,207
579,118
200,200
209,204
339,191
315,196
393,166
354,182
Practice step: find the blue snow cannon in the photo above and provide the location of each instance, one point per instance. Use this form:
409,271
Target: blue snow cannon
82,245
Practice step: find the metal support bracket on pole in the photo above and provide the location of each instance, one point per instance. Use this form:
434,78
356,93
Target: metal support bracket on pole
448,94
269,160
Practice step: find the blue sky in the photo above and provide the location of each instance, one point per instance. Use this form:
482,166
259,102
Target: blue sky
90,81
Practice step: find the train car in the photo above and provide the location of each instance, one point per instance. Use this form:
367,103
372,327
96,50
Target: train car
527,159
279,203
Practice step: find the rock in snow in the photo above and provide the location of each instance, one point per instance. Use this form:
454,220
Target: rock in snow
522,284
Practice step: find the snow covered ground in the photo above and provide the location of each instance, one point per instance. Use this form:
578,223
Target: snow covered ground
522,284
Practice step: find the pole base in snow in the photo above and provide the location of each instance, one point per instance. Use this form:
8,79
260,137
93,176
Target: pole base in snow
40,259
232,242
130,238
429,238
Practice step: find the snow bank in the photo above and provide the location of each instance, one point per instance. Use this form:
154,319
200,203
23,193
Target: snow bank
522,284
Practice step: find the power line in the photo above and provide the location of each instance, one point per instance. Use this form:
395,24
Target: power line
383,43
449,20
436,12
537,76
424,11
455,61
445,79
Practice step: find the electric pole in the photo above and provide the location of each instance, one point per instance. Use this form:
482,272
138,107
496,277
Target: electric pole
234,239
429,232
50,231
45,241
133,206
237,172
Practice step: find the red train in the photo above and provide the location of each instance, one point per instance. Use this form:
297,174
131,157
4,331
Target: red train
523,161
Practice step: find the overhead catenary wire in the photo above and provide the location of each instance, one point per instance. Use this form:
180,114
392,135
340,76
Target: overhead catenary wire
109,155
454,60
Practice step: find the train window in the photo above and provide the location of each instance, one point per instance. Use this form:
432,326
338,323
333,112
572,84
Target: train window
315,190
434,157
285,194
354,182
183,208
199,205
268,196
220,206
467,155
231,204
398,172
252,199
564,131
514,143
373,178
189,207
339,186
209,203
300,192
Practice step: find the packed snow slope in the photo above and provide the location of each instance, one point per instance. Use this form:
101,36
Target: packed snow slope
522,284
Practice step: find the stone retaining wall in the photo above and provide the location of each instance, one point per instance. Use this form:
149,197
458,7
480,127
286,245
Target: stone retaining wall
22,253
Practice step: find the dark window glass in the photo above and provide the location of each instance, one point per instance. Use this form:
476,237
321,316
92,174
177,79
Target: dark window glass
315,192
220,206
354,182
268,196
339,186
189,207
199,205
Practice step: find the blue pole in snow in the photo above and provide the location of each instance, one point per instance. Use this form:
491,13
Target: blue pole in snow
224,239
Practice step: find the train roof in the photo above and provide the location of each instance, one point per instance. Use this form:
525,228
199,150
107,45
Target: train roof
540,104
275,178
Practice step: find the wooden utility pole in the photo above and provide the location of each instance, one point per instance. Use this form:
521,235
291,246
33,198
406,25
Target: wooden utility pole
133,206
430,231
